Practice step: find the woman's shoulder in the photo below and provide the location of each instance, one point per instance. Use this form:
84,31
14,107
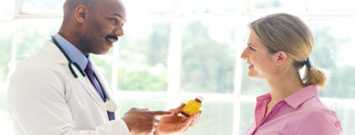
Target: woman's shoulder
320,121
318,116
314,106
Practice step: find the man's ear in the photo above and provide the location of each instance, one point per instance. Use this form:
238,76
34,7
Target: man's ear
80,13
280,57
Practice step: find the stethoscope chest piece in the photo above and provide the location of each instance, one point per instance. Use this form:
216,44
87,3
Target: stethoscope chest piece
110,106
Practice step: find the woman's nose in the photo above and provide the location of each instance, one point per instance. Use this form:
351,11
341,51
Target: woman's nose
244,54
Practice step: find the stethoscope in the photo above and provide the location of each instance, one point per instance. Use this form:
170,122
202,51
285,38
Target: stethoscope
72,65
109,105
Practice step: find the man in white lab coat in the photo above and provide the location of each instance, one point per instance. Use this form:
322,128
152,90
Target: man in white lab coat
59,92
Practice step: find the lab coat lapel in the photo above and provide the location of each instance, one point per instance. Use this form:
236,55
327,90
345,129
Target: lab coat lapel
83,81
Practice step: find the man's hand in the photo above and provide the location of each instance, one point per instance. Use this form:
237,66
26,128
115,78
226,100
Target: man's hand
142,121
175,122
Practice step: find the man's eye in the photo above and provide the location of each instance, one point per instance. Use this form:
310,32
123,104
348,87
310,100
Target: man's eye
114,21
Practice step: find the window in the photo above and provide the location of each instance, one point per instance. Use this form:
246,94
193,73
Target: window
7,10
340,7
174,50
40,6
142,56
334,52
6,36
208,56
31,35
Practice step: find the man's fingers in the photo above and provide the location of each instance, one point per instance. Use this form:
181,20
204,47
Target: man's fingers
134,109
178,109
181,106
159,113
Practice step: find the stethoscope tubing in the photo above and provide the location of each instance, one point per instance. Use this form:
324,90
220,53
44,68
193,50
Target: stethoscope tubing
71,64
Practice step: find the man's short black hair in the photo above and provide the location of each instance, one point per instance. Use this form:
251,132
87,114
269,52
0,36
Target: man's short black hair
70,5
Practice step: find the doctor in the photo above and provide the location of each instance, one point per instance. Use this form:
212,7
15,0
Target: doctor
59,92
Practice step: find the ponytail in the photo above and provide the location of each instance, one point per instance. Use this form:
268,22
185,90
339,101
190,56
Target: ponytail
314,77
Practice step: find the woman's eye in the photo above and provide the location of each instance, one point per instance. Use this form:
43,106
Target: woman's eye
251,48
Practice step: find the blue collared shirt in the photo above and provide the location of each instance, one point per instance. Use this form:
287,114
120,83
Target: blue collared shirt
76,56
73,53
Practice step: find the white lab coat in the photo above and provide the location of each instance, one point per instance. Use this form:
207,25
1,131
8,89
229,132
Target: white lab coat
45,99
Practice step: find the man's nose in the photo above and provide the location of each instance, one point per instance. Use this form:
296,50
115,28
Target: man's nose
119,31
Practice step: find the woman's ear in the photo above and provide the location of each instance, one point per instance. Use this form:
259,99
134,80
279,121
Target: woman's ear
280,57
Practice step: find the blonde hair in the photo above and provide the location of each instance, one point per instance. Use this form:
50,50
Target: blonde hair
287,33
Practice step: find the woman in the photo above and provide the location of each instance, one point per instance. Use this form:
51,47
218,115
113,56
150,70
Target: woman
279,46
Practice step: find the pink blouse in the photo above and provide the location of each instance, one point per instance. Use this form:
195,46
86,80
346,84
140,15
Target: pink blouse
299,114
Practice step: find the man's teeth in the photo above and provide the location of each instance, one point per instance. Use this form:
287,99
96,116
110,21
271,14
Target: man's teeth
111,39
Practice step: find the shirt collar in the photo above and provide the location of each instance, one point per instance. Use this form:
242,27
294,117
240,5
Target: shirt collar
296,99
73,53
301,96
265,97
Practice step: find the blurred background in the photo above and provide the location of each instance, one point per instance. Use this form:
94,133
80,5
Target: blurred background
175,50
